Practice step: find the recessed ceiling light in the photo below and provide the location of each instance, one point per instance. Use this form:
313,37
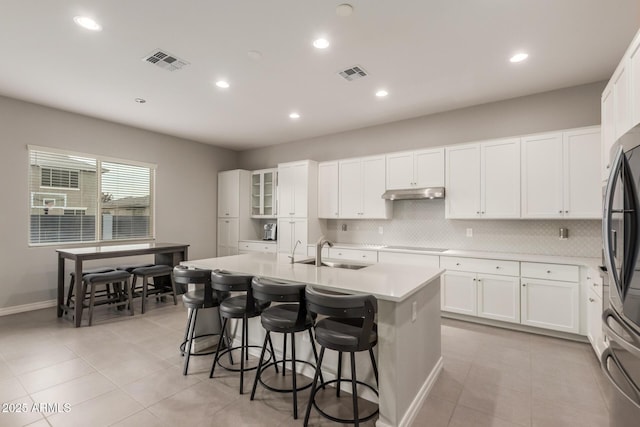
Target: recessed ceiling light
519,57
321,43
255,55
382,93
222,84
140,100
294,116
86,22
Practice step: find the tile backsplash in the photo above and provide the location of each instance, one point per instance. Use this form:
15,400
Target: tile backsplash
422,223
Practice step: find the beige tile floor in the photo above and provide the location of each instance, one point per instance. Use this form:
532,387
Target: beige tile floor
126,371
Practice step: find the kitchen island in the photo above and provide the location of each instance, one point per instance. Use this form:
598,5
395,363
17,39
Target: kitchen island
408,351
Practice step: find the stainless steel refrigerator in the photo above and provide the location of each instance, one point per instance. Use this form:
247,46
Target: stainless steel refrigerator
621,320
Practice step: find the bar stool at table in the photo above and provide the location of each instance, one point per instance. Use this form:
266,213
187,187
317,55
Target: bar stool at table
70,295
155,272
350,328
194,300
287,318
241,307
106,279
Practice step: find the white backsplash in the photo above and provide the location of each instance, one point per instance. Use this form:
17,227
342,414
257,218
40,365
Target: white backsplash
422,223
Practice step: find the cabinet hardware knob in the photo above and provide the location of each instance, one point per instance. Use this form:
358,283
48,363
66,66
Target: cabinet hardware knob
595,285
497,267
524,284
591,300
226,214
474,279
566,211
478,212
588,278
607,166
559,211
457,263
482,212
548,271
364,256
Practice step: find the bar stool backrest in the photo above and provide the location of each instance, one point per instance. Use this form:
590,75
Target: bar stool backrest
274,291
185,276
224,282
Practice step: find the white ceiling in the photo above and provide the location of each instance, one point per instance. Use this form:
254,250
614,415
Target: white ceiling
431,55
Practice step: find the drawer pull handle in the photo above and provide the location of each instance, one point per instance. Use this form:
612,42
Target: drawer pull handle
457,263
497,267
548,271
591,300
524,284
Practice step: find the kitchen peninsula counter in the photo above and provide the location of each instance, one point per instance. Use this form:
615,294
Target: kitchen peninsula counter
409,344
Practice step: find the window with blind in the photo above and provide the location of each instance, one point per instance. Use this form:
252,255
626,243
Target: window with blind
82,198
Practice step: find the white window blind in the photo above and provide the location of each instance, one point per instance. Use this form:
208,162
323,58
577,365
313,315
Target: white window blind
83,198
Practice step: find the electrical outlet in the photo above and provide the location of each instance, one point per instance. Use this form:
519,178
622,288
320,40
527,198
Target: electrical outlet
380,230
414,311
469,232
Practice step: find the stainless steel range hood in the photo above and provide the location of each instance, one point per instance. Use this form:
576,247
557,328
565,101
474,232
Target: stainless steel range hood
415,194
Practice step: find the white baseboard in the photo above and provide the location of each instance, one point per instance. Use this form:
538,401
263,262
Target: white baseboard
414,408
6,311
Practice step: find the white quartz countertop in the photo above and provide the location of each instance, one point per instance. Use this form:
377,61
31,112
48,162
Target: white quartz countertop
389,282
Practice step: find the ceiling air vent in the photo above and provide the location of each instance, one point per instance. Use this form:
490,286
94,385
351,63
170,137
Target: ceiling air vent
165,60
353,73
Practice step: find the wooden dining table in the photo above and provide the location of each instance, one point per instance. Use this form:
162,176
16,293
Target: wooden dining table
164,253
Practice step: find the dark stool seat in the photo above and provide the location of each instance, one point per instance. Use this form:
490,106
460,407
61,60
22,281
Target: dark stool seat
348,327
72,282
286,318
241,307
204,297
93,280
155,272
131,267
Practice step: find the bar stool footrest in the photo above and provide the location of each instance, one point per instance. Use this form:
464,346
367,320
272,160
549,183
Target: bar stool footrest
343,420
286,390
199,353
229,349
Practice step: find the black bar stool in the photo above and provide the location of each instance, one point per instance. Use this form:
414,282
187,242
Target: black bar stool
204,297
284,319
160,288
106,279
350,328
70,296
236,307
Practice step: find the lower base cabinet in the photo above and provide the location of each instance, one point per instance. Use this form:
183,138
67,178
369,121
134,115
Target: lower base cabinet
499,297
551,304
458,293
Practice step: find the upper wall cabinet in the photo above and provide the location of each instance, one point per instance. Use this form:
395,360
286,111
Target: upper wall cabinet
483,180
230,184
634,79
361,185
297,187
560,175
328,190
263,193
415,169
608,132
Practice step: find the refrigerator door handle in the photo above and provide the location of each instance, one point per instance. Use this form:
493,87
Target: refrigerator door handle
604,361
631,347
607,213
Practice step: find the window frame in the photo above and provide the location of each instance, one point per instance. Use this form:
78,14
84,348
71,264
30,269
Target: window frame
98,223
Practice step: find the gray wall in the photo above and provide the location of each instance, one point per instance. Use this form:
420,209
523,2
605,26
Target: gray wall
560,109
186,176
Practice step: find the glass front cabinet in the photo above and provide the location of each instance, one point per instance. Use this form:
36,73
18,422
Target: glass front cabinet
263,193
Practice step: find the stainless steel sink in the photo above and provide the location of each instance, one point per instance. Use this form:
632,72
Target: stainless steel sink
334,264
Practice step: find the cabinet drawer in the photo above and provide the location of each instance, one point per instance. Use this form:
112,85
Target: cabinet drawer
257,247
408,259
353,254
478,265
565,273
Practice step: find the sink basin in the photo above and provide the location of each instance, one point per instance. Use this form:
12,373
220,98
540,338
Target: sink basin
334,264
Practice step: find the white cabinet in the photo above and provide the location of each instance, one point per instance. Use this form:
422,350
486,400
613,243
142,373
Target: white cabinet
353,254
415,169
608,132
263,193
483,180
560,177
228,236
361,185
328,190
245,247
228,194
550,296
621,99
634,79
290,231
297,187
481,287
593,304
234,209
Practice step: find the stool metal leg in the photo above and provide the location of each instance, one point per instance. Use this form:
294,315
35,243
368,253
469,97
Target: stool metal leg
129,295
186,331
92,299
339,374
293,375
192,328
354,390
315,354
284,354
242,354
259,370
215,358
273,354
375,366
313,387
173,288
70,293
145,284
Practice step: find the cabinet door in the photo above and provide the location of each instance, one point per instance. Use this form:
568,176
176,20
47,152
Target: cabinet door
608,132
373,183
300,190
269,180
400,170
582,180
594,322
300,234
285,235
634,80
550,304
458,293
499,297
286,181
228,236
463,182
328,190
621,99
542,176
256,194
428,168
500,179
350,191
229,194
